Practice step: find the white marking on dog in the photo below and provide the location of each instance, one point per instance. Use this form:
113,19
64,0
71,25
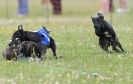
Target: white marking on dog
107,34
16,38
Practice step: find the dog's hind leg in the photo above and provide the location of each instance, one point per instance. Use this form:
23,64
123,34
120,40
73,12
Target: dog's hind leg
114,44
114,47
119,45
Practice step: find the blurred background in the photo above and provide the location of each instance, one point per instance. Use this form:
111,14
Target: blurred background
70,8
40,9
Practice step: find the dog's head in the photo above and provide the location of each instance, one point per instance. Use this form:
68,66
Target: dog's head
19,34
98,21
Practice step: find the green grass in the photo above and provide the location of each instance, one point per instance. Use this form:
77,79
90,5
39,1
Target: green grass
83,61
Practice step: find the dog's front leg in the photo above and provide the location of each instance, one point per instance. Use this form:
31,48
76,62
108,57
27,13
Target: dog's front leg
103,44
114,44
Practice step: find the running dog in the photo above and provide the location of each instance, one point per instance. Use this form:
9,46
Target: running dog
106,34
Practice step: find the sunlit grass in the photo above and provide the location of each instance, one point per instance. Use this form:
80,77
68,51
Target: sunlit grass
83,61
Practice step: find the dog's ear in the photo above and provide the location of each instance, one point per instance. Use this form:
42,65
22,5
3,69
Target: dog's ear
20,28
92,18
100,15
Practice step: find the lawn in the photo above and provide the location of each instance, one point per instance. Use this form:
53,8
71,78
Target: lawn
82,62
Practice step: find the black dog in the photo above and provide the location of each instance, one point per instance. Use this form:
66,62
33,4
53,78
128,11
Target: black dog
32,36
106,34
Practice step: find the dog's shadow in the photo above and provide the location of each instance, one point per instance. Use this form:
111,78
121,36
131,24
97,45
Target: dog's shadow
51,58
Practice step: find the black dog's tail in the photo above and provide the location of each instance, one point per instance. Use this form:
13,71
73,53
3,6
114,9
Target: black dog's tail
52,46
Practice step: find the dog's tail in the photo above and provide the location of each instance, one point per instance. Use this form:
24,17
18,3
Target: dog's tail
52,45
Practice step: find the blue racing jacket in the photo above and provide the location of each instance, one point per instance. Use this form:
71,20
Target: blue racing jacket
46,38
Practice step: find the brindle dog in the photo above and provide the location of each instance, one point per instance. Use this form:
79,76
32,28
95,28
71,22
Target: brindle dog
29,49
25,49
10,53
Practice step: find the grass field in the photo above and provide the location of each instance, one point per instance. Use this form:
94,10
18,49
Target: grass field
83,61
